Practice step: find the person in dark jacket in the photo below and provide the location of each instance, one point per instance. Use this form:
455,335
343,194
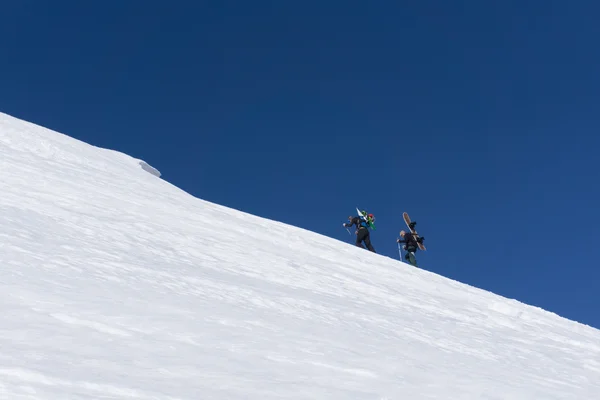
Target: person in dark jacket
362,231
411,244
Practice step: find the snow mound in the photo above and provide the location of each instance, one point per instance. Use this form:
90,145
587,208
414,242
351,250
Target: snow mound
115,284
146,167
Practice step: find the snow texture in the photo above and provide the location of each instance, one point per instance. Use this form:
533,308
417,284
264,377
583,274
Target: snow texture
118,285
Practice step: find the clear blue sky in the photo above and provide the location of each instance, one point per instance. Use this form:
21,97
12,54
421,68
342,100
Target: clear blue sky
481,120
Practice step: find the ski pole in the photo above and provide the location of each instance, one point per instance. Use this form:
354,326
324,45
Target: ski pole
344,225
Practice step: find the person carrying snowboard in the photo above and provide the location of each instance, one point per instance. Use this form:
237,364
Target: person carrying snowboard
362,230
411,244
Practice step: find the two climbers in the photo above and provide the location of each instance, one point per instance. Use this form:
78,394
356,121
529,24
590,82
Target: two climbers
412,241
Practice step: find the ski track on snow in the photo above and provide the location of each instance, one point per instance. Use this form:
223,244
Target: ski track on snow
117,285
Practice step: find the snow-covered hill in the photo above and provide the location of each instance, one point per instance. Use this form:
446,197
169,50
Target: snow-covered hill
118,285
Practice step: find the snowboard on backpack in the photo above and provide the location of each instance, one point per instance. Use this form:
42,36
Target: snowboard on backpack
363,215
411,225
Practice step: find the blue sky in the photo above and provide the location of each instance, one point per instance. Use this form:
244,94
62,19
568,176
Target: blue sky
480,120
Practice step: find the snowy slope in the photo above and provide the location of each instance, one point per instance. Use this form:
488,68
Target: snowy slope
118,285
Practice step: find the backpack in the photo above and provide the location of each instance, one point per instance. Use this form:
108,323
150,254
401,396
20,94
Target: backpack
368,221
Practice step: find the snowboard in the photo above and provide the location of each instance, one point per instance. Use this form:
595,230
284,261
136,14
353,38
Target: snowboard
364,217
412,230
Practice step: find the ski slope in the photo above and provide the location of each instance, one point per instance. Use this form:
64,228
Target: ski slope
117,285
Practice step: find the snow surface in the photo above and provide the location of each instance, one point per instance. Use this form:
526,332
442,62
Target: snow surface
118,285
